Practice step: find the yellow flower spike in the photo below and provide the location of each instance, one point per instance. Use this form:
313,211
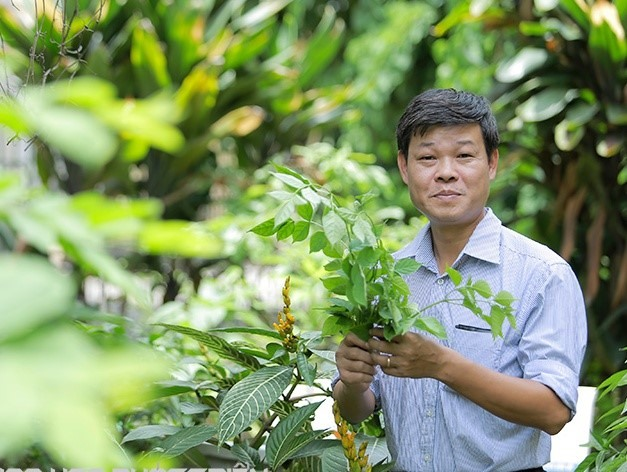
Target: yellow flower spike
357,461
362,449
285,321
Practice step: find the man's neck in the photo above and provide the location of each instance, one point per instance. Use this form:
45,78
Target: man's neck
448,243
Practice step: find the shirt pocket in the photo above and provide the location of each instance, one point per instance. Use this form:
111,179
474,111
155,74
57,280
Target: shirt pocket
472,338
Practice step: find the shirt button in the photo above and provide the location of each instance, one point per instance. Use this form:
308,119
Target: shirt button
440,281
427,458
429,413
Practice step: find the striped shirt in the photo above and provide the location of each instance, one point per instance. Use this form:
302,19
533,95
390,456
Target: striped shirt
429,426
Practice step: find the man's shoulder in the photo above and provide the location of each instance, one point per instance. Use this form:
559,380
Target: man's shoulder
523,246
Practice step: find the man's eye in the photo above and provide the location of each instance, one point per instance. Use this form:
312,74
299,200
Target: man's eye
465,155
426,158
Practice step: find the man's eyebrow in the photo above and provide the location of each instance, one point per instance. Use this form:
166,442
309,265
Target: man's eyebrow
461,142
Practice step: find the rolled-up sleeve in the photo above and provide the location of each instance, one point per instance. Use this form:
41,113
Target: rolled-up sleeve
554,336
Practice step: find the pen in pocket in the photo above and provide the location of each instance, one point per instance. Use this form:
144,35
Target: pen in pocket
476,329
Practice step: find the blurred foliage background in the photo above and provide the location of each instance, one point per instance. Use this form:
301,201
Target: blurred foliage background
138,138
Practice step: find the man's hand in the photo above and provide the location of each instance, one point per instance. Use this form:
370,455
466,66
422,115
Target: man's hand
521,401
354,363
408,355
356,370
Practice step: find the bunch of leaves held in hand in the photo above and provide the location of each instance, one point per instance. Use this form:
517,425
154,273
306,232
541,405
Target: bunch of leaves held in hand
365,281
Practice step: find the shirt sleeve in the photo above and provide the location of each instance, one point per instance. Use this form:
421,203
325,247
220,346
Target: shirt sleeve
554,336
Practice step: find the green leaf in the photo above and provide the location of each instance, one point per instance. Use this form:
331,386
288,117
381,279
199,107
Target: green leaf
186,439
76,134
525,62
336,325
181,238
406,266
259,13
430,325
307,371
322,47
305,211
362,229
281,195
301,231
247,455
149,62
333,459
286,170
150,432
289,179
247,330
284,440
454,275
318,242
333,282
285,230
266,228
482,288
496,319
546,104
218,345
315,448
284,212
367,257
334,227
33,293
250,398
358,285
504,298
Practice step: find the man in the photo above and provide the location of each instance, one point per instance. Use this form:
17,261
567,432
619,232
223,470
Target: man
470,402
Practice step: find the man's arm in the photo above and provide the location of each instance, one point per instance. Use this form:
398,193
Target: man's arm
520,401
355,405
356,370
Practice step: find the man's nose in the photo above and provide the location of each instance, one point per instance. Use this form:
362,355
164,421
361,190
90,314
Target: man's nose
447,170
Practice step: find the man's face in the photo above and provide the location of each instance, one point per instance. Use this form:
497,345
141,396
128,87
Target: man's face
448,174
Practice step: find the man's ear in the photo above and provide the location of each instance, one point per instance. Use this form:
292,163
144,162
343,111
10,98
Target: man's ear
493,164
401,161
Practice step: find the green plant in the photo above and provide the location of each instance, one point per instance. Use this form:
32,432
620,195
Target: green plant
365,281
609,449
241,393
256,402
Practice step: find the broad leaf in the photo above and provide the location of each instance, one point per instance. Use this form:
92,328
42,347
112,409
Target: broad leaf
318,241
186,439
358,286
289,180
525,62
546,104
284,441
247,455
454,275
250,398
482,288
284,212
266,228
150,431
307,371
362,229
406,266
430,325
333,459
22,277
247,330
218,345
334,227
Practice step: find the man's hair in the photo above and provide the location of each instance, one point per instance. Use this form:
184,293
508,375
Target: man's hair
441,107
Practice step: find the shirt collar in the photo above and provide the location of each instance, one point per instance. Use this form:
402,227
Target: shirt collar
484,243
